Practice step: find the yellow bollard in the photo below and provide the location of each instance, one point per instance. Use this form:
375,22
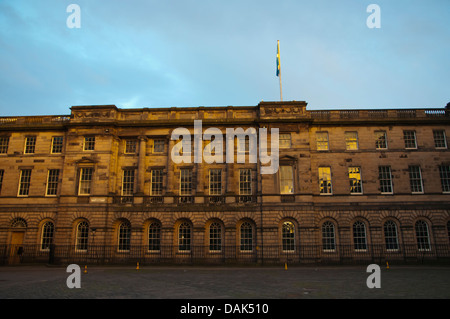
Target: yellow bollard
137,267
387,265
85,269
285,266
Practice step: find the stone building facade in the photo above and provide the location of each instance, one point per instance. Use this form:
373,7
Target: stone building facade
101,185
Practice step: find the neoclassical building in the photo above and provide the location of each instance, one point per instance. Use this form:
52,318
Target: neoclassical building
102,185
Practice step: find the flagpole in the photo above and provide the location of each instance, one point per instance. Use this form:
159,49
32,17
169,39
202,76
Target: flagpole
279,68
281,92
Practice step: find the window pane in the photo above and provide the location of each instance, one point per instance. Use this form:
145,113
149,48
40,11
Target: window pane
158,146
385,178
89,143
52,181
156,186
128,182
47,235
415,178
359,236
440,140
24,185
423,239
285,140
444,172
124,236
30,143
215,182
130,146
184,237
354,175
154,236
186,182
286,179
325,186
288,236
82,236
410,139
322,141
57,144
215,237
245,182
85,181
351,141
4,141
390,235
328,239
380,140
246,232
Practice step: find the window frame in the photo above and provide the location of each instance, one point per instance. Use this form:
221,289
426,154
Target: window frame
443,138
409,136
321,174
351,140
322,141
286,180
24,183
30,145
382,180
54,182
382,141
89,143
81,181
57,146
359,173
415,179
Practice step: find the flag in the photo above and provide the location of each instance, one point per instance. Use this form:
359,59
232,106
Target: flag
278,58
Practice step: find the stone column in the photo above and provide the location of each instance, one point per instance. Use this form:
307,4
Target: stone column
141,165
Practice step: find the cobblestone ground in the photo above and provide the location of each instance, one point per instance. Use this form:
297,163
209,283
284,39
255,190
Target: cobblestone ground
185,282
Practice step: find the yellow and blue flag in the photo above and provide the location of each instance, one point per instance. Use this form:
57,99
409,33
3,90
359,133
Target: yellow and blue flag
278,58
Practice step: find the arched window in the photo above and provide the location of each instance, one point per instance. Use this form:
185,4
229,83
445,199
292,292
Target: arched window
215,237
47,235
246,236
390,235
288,236
448,230
124,236
18,223
328,238
359,236
82,236
422,235
154,236
184,237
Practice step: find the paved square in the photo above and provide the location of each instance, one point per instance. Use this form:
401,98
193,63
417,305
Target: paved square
192,282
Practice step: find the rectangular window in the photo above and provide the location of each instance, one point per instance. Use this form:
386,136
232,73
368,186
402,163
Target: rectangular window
130,146
385,178
128,182
84,187
285,140
245,181
24,182
440,141
156,186
215,182
52,182
325,186
444,172
89,143
185,182
57,144
1,179
380,140
351,141
415,178
354,175
322,141
4,141
30,144
158,146
286,179
410,139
